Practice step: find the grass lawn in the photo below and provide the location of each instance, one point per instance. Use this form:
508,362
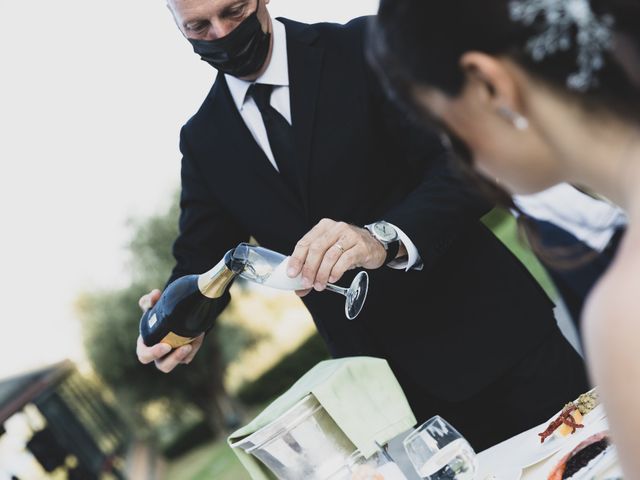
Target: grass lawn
213,460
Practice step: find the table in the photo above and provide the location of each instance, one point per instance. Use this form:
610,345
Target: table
504,461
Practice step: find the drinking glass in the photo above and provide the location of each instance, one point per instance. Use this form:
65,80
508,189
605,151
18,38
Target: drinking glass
438,452
380,466
269,268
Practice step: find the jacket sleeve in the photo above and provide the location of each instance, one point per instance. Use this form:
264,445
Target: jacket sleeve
207,231
440,205
438,211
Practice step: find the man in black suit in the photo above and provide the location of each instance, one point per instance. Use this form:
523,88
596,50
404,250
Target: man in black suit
296,145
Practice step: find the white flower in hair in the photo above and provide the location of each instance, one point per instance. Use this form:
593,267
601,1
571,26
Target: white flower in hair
559,18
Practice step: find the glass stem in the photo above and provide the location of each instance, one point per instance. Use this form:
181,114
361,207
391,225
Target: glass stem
334,288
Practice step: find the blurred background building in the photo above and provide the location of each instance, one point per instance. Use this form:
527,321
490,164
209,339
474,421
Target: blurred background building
55,423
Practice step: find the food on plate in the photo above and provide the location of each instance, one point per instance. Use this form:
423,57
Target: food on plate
587,401
580,457
570,418
567,428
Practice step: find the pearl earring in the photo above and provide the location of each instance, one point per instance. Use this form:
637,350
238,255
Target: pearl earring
517,120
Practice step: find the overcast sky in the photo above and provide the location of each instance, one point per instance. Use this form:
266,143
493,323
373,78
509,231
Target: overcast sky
92,97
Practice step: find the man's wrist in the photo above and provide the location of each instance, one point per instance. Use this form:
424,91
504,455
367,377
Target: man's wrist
387,236
392,251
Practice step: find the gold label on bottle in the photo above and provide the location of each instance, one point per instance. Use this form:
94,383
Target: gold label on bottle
176,340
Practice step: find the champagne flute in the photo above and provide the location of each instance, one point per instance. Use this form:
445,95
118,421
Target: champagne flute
269,268
438,452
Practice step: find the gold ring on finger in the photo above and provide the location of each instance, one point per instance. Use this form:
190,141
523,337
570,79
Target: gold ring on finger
340,247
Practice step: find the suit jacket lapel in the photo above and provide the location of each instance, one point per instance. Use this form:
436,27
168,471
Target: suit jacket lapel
305,65
240,153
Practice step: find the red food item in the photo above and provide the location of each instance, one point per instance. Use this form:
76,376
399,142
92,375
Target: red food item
564,417
558,471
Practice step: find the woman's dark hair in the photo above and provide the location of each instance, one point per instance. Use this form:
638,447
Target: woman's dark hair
420,42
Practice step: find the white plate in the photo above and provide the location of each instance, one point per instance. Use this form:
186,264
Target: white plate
534,451
505,474
546,467
525,450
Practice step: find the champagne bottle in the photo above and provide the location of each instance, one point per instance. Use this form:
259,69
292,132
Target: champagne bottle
185,309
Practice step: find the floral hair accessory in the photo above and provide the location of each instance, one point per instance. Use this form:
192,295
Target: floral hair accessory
559,18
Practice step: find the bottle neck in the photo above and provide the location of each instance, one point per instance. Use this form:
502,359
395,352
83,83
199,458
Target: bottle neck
214,283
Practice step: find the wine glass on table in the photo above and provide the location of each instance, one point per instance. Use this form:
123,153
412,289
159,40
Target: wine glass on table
437,451
269,268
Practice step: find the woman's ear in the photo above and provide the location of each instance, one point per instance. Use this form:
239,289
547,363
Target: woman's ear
493,76
496,84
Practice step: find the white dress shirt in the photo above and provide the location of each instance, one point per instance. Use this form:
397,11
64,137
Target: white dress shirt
277,74
590,220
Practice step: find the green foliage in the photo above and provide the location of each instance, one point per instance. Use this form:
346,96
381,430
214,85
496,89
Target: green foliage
150,247
285,373
233,338
188,438
110,328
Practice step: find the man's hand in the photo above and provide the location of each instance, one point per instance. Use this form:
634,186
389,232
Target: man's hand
158,352
330,249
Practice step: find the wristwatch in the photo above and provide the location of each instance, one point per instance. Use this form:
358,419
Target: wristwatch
387,236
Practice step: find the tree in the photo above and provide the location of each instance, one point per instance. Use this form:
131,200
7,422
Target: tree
110,327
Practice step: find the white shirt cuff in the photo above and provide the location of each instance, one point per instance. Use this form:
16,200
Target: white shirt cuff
413,259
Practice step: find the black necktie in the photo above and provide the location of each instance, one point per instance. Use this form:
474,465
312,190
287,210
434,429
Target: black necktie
280,134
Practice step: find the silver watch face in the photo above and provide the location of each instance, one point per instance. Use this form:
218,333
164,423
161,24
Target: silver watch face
384,231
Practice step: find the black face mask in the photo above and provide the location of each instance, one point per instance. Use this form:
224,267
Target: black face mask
240,53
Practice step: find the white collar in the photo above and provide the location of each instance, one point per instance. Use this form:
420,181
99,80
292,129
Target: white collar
277,72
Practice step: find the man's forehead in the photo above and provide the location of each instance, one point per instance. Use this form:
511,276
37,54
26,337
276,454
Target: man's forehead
195,5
